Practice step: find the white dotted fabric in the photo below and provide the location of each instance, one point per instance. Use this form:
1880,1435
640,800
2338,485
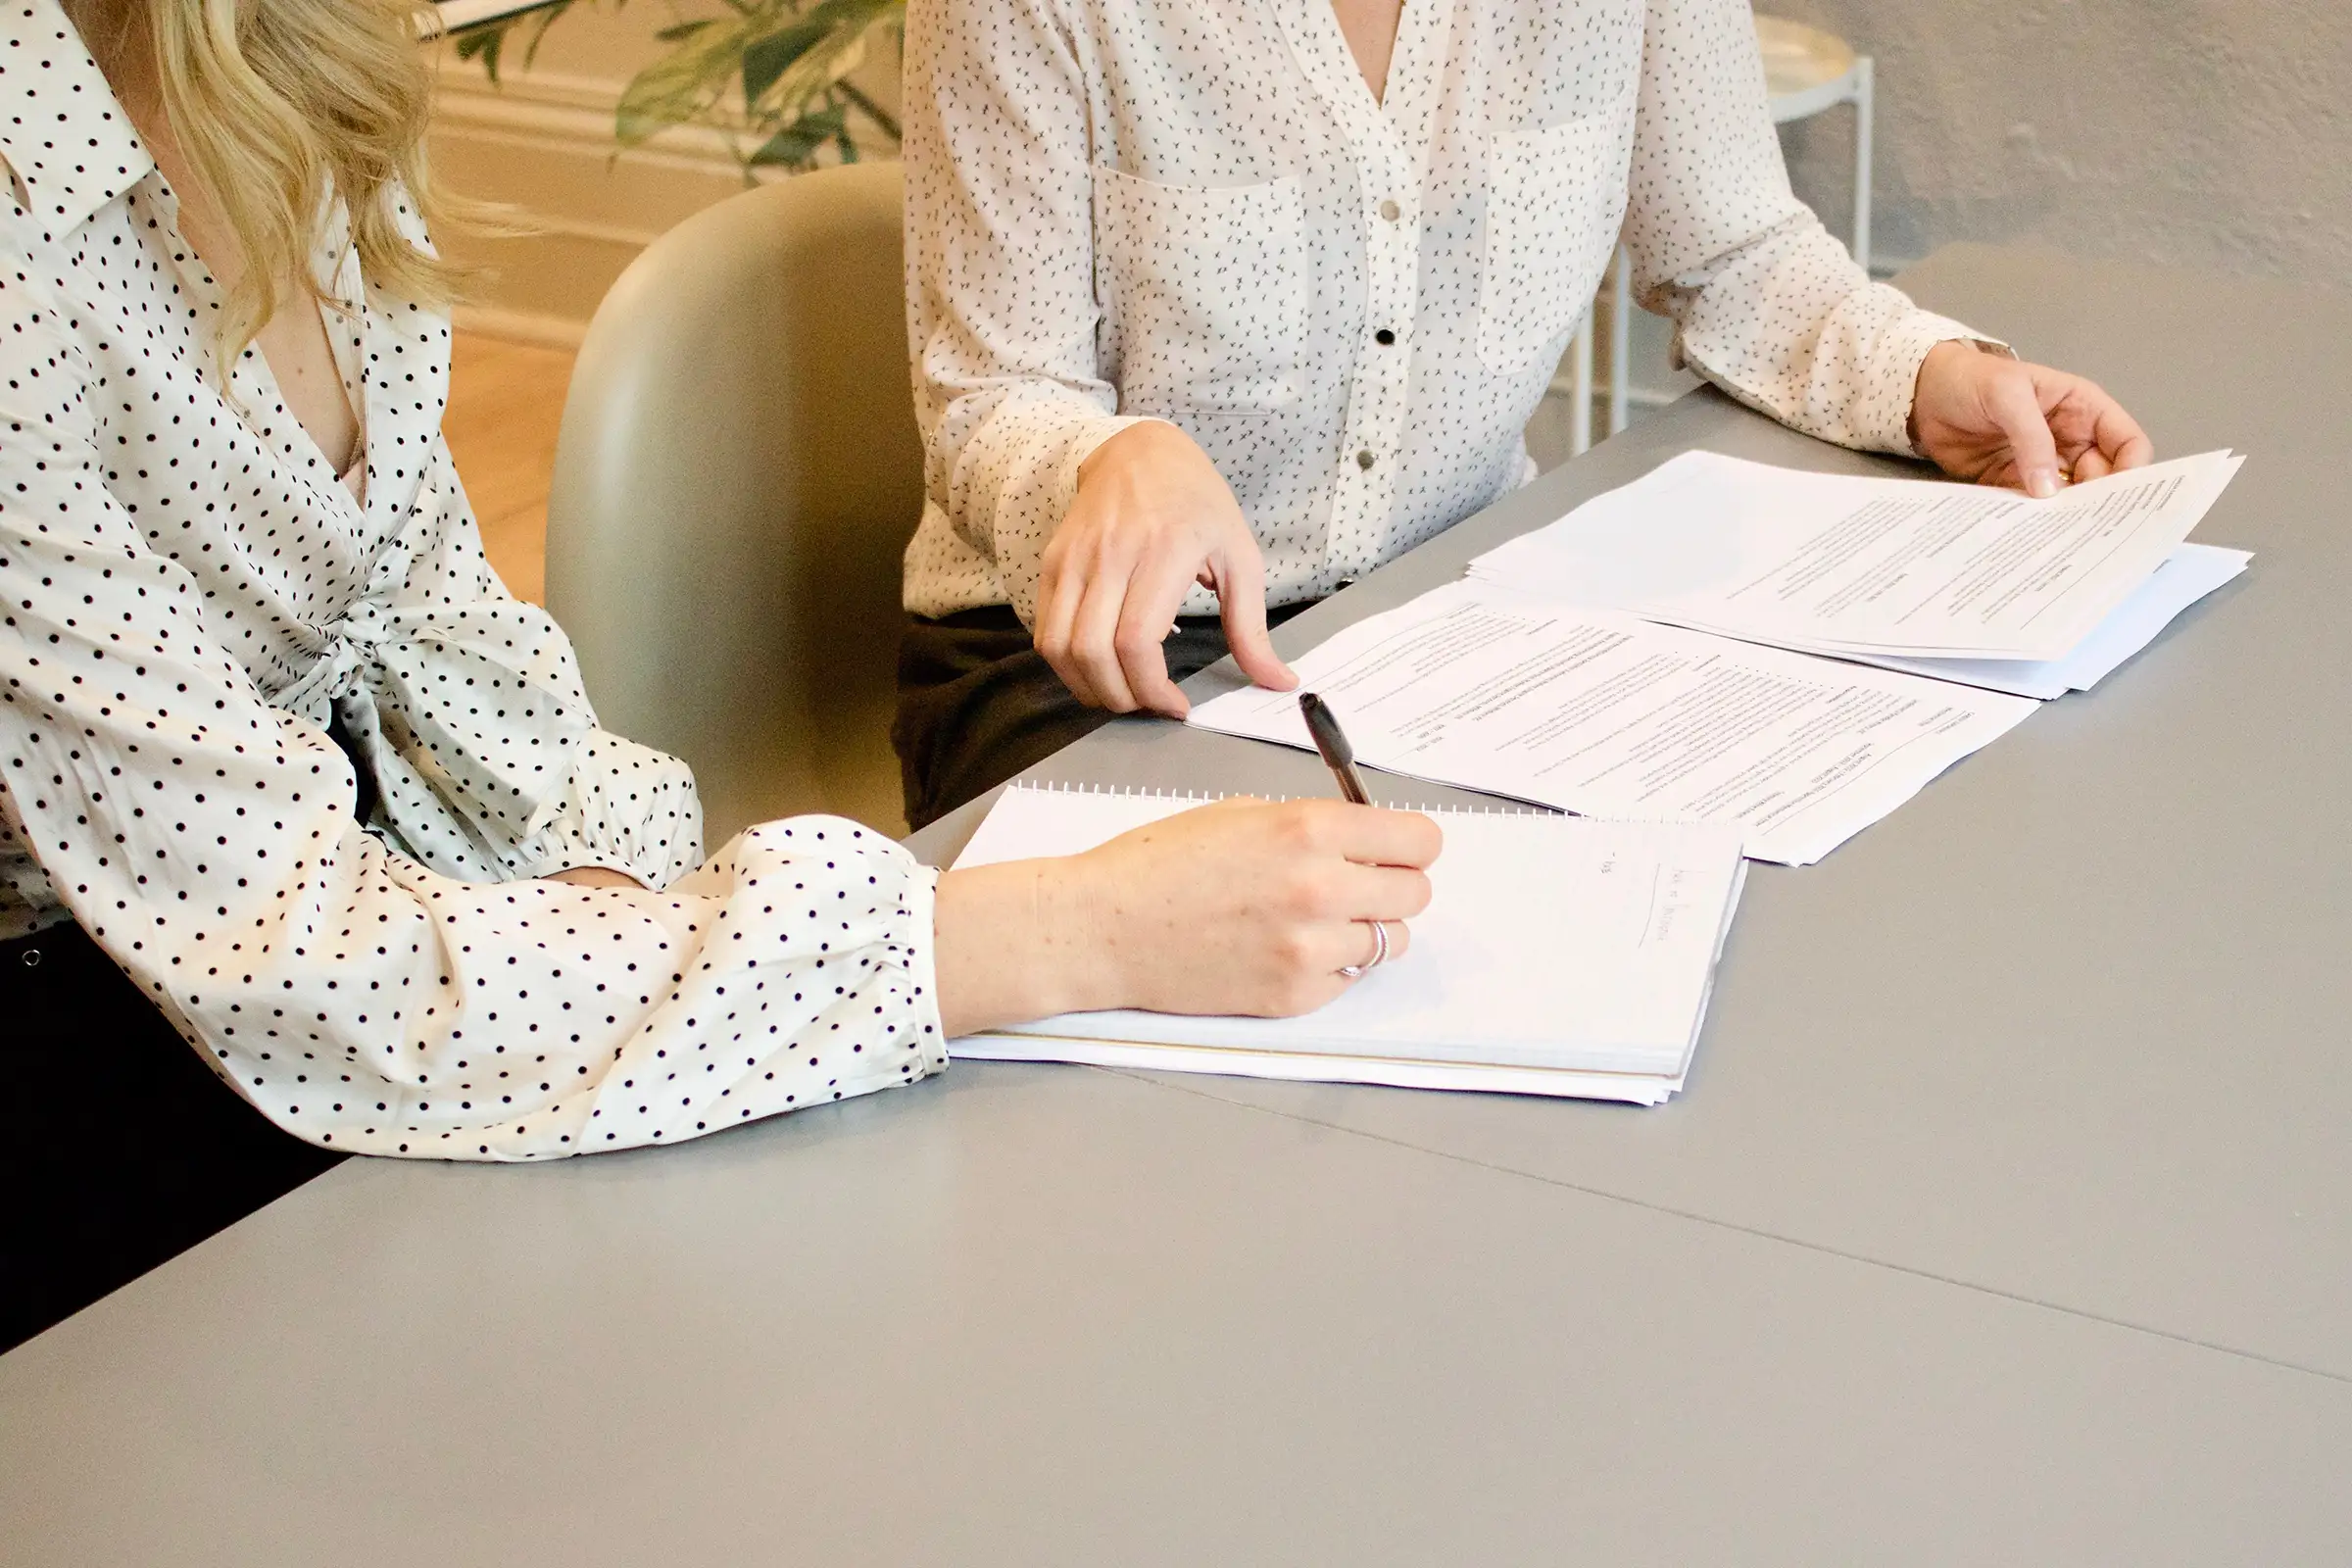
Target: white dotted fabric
187,593
1197,211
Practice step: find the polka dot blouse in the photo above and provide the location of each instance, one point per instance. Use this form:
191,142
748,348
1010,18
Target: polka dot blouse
189,596
1197,211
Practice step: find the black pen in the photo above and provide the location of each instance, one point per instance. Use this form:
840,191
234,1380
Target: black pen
1332,741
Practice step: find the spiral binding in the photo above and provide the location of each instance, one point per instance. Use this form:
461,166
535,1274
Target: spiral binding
1063,787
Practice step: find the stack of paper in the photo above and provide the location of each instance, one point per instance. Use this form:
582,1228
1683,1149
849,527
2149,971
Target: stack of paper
2188,574
1656,653
1558,956
1602,713
1890,570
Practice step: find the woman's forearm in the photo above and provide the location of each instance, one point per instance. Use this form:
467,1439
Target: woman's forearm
1011,943
1243,906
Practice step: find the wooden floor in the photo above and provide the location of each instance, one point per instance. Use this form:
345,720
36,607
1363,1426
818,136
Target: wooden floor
506,402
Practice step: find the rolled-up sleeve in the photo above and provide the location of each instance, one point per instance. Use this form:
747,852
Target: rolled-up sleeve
1767,304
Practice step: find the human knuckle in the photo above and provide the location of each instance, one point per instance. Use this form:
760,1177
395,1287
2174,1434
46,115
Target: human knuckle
1303,890
1295,826
1292,949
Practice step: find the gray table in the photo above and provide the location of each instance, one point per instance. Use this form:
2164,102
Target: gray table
2007,1218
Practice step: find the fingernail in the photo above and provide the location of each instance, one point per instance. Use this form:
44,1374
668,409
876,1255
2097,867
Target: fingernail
2041,483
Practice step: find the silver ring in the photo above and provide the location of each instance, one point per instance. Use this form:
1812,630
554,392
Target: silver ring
1380,952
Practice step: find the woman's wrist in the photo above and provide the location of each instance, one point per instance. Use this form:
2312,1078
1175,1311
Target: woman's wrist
1076,933
1143,441
1019,941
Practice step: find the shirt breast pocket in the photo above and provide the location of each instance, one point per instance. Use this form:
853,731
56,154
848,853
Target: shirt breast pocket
1556,200
1205,288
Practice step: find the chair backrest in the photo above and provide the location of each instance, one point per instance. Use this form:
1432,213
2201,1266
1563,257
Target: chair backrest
736,480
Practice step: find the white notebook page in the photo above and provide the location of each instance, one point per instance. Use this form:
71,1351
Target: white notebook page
1551,943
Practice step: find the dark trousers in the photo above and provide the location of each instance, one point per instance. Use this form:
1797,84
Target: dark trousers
119,1148
978,703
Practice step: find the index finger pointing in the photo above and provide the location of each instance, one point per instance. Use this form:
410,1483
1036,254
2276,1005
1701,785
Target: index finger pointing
1154,597
1241,584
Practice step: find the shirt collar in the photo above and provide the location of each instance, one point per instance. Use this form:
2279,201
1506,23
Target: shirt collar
62,130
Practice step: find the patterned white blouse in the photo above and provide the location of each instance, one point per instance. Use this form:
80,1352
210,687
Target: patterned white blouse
189,594
1197,211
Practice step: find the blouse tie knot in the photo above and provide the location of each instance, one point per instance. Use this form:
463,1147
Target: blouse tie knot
476,705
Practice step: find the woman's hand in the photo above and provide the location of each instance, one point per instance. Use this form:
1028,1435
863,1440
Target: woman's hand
1998,420
1243,906
1152,518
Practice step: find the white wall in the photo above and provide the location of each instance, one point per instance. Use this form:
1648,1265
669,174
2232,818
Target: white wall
2206,133
2210,133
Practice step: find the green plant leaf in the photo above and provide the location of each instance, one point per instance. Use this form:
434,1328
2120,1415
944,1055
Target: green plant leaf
766,59
483,43
541,21
790,56
797,144
882,118
682,86
817,69
487,41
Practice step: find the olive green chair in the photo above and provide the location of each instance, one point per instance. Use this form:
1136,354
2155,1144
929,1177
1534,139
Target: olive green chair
737,477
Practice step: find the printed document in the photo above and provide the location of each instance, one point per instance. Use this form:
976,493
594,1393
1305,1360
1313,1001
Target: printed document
1842,565
2188,574
1604,713
1558,956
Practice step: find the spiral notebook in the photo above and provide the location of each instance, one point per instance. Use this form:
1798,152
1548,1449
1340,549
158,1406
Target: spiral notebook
1559,955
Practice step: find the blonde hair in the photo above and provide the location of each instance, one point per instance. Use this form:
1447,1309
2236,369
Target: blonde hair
279,104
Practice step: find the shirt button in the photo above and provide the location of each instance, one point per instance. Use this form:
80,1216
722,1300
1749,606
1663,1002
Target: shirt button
1391,211
1364,459
1384,337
